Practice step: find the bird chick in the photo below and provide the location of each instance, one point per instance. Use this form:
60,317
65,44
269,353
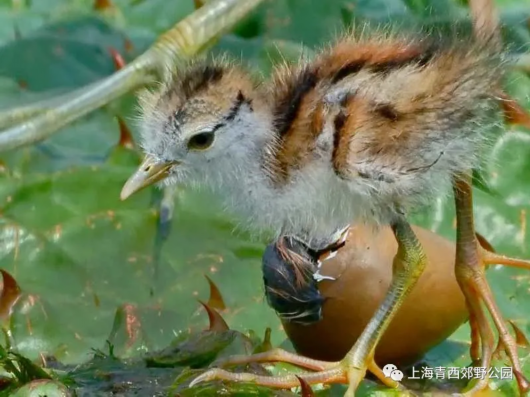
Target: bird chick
369,130
372,126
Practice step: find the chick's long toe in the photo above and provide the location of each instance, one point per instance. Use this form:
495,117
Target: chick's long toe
470,273
325,372
409,264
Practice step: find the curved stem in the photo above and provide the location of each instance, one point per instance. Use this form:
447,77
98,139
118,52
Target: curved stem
17,114
44,125
196,31
192,35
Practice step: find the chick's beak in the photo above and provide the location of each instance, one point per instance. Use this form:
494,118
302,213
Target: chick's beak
149,172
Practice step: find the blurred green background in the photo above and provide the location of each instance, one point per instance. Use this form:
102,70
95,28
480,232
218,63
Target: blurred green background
80,254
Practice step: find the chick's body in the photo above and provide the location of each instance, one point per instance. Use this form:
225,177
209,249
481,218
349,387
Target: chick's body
370,127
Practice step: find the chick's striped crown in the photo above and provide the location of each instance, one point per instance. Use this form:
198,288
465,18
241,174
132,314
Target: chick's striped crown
205,94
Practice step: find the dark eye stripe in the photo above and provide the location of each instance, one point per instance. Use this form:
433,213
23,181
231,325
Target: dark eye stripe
234,110
217,126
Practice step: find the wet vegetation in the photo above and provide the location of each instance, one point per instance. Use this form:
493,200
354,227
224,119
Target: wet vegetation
103,297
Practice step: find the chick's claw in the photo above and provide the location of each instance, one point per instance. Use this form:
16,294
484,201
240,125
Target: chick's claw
277,355
325,372
470,273
481,302
289,381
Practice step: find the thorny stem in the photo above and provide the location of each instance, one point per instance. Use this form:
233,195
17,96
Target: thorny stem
187,38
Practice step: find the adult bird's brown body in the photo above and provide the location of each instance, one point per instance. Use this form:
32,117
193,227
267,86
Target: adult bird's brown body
324,318
370,129
333,312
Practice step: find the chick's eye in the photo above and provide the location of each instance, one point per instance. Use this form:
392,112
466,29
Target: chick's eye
201,141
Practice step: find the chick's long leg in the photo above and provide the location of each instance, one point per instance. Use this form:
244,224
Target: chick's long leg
470,274
409,263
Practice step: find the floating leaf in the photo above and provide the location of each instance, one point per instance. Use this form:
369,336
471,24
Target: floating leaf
66,54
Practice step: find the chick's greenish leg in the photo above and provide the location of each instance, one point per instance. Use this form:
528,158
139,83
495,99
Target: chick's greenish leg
409,263
470,274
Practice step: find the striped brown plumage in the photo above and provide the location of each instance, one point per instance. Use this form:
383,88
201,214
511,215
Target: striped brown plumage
298,94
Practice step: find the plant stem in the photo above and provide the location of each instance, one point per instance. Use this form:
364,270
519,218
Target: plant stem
187,38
